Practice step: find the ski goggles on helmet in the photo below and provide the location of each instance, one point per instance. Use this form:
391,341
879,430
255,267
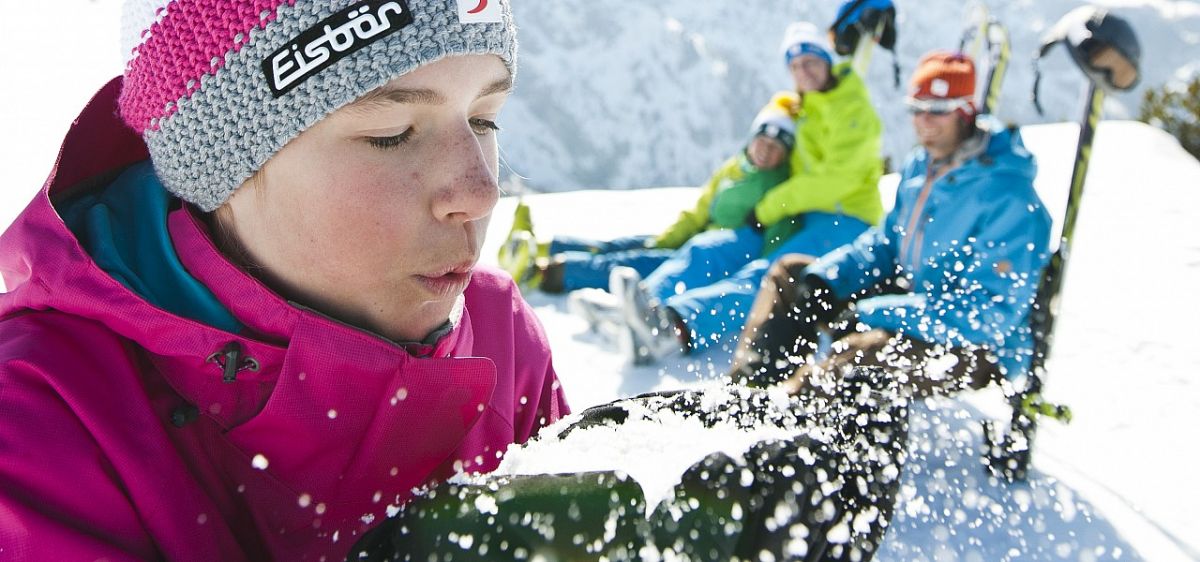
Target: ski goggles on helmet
1103,46
936,106
1110,65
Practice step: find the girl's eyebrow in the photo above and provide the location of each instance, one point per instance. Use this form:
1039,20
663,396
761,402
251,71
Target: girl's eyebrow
386,95
503,85
422,96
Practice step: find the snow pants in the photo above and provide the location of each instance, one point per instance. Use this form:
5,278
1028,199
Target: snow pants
712,280
780,338
587,262
820,495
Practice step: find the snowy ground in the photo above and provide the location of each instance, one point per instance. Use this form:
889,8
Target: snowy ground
1117,483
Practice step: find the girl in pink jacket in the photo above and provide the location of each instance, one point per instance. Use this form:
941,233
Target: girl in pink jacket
244,314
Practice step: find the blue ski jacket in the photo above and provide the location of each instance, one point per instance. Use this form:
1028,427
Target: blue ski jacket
972,244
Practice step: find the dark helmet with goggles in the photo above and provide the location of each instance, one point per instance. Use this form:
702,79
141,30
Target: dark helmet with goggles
1103,45
858,18
865,19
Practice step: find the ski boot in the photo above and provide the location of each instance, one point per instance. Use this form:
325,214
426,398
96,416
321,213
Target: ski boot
599,308
651,332
518,256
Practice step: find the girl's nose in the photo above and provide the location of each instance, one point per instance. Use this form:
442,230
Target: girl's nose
470,189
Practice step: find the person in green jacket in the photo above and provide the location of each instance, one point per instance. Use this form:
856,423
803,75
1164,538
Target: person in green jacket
569,263
704,292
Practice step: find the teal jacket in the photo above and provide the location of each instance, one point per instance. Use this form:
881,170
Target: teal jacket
972,243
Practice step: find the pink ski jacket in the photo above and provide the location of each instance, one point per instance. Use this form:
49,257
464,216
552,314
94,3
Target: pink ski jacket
130,433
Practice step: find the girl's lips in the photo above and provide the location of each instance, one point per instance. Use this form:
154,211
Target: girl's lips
450,284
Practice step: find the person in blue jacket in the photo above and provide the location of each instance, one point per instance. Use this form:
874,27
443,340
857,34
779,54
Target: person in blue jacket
943,289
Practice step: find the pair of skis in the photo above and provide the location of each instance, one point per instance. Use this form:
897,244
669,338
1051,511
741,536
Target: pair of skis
986,40
1007,450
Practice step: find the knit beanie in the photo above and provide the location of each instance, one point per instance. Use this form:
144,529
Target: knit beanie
775,123
216,87
803,38
944,75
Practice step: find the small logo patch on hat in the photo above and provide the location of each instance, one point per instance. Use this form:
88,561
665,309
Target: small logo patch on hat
331,40
480,11
939,87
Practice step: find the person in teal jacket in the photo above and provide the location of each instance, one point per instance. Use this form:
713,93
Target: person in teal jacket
944,288
703,293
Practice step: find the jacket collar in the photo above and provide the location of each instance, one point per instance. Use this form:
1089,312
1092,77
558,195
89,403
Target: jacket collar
265,312
848,85
991,149
44,266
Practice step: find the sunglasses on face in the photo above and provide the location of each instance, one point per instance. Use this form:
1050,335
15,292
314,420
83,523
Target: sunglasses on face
935,106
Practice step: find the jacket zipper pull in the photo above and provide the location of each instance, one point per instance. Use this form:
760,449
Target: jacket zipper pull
230,360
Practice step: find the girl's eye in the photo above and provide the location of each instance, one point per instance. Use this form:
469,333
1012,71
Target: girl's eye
386,143
484,126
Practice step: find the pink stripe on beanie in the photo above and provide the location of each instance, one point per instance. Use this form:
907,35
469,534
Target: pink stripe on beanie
187,41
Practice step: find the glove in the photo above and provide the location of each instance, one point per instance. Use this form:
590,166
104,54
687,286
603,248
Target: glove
594,515
815,298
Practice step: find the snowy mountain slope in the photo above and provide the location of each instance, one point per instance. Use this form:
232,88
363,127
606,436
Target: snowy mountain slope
621,94
1115,484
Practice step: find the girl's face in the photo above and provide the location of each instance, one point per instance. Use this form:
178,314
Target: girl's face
766,153
809,72
376,214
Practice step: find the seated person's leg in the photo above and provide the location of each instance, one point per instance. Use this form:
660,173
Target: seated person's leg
706,258
561,243
781,329
570,271
713,312
922,368
821,233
